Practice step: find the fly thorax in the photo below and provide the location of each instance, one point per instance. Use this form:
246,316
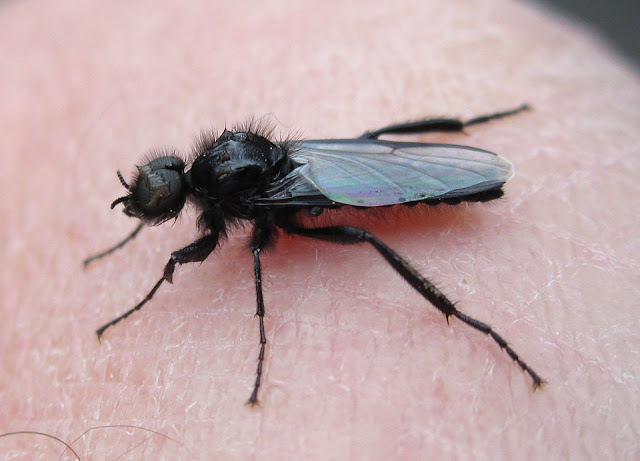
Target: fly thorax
236,165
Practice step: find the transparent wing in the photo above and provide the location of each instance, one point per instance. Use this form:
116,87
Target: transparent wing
371,172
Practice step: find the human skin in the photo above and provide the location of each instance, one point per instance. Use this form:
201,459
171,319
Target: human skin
358,366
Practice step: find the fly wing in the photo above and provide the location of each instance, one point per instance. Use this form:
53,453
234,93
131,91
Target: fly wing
372,172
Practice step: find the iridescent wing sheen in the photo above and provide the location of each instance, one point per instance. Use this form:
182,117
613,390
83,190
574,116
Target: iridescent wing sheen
372,172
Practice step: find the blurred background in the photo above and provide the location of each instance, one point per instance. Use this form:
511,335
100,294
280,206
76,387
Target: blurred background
616,21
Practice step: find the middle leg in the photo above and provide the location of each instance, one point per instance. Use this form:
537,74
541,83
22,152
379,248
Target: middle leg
263,236
253,399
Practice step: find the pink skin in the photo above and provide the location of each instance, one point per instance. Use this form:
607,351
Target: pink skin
358,366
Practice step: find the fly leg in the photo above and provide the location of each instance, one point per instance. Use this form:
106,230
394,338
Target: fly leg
129,237
263,236
439,124
351,235
117,246
196,252
253,399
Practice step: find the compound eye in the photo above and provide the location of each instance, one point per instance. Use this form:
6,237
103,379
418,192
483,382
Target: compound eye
159,191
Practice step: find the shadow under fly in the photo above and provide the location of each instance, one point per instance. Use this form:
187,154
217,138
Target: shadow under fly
243,175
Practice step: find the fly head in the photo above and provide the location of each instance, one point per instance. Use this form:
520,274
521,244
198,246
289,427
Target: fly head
158,192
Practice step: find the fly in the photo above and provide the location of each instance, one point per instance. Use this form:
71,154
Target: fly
242,175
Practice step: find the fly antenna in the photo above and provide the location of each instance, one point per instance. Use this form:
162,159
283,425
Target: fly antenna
123,182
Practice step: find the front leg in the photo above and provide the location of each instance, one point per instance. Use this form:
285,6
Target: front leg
196,252
115,247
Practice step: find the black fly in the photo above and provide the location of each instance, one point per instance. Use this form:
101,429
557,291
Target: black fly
242,175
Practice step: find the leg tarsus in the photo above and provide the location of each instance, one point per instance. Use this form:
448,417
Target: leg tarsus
497,115
484,328
117,246
137,307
